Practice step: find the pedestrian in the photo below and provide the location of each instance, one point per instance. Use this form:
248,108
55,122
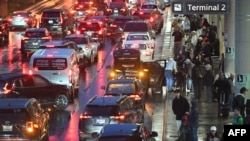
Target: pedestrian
180,107
239,102
237,118
208,83
178,35
170,70
193,120
231,94
197,78
212,135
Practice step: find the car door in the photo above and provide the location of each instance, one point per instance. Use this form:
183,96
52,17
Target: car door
44,87
25,87
156,72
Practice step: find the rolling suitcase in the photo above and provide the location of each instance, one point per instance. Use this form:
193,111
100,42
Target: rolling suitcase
223,107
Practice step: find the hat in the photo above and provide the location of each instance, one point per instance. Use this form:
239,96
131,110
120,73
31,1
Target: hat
213,128
243,89
200,38
187,61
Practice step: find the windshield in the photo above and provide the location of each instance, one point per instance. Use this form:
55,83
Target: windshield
96,110
118,88
137,37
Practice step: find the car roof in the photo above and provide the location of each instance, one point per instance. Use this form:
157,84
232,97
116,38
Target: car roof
62,52
138,33
120,129
36,29
105,100
14,103
6,76
76,35
56,43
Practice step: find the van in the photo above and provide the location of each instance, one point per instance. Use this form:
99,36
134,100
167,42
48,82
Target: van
57,65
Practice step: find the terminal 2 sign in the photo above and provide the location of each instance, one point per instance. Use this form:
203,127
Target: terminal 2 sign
200,6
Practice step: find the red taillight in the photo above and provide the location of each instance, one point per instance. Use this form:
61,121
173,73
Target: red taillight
151,19
120,117
90,2
26,19
10,19
84,116
78,32
50,56
135,97
100,32
29,126
50,46
25,38
113,25
46,38
141,13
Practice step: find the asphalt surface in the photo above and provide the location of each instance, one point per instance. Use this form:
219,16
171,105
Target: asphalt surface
163,118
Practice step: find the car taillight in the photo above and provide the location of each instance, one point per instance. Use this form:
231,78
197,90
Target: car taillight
151,19
141,13
100,32
113,25
78,32
46,38
85,116
26,19
10,20
25,38
61,20
91,2
120,117
135,97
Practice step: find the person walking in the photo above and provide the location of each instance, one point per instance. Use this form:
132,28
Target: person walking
237,118
193,120
178,35
239,102
213,134
197,77
231,94
170,70
208,83
180,107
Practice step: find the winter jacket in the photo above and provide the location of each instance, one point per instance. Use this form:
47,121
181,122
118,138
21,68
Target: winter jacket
180,106
193,115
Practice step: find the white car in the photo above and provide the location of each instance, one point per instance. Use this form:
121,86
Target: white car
141,43
88,45
140,37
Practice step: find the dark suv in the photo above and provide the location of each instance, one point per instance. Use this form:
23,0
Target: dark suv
104,110
126,132
23,119
94,29
31,40
130,87
57,21
34,86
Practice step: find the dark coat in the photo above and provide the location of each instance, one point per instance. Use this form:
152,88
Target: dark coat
180,106
223,86
208,78
210,135
194,115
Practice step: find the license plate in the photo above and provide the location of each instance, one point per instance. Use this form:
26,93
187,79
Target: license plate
100,121
115,11
50,21
34,43
7,128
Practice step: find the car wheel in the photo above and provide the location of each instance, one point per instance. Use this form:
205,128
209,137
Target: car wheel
61,102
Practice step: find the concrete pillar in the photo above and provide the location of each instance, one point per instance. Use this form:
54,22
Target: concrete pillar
242,44
229,39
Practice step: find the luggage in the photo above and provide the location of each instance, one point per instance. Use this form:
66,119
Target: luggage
223,107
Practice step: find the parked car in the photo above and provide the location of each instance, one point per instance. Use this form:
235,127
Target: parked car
23,119
22,19
19,85
126,132
104,110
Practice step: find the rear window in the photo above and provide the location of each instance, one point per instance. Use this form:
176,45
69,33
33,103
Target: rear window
89,26
137,37
121,22
96,110
14,115
51,14
50,63
136,27
121,88
23,14
77,40
34,34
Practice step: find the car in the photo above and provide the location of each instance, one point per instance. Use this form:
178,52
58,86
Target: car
145,10
102,110
83,9
126,132
116,25
31,40
22,19
138,26
89,46
57,21
59,44
4,31
23,119
130,87
94,29
20,85
117,8
60,66
140,37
